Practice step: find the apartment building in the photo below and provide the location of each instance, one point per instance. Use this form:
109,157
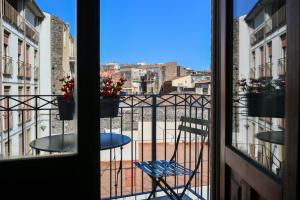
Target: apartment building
193,84
37,50
259,53
144,78
19,67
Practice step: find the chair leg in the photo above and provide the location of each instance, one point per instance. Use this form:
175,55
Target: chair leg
157,184
153,191
169,188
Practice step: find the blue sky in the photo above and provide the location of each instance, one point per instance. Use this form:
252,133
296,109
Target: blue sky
64,9
155,31
242,7
152,31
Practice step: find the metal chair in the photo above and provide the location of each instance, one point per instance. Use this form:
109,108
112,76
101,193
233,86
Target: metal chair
158,170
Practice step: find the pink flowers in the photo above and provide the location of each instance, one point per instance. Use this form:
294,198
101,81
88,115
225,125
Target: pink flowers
110,88
67,87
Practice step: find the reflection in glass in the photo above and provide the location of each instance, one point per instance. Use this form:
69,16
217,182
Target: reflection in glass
259,66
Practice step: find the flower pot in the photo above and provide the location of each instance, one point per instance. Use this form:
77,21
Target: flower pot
66,108
266,104
109,107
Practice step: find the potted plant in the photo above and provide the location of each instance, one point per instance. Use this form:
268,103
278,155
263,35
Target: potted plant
66,103
110,97
265,97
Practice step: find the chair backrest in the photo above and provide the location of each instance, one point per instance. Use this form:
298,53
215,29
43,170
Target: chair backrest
199,127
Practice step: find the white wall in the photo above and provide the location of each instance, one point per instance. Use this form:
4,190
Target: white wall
45,56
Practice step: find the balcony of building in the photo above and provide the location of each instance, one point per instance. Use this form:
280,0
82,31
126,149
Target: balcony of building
281,67
7,66
36,72
265,70
150,121
31,33
21,67
277,20
12,16
252,73
28,69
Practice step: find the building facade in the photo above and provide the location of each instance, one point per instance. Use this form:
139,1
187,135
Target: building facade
36,50
20,65
260,54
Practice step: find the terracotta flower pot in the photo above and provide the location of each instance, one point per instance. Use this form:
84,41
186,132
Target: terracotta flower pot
66,108
109,106
266,104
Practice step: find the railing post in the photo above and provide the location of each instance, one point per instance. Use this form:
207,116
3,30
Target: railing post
154,107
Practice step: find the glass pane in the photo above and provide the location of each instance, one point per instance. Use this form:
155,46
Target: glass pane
259,66
38,42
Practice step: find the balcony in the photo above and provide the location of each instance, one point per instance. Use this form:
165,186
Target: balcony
281,67
277,20
21,68
12,16
36,73
252,73
28,70
152,124
7,66
265,70
31,33
257,36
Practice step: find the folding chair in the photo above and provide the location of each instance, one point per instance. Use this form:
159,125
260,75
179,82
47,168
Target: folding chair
158,170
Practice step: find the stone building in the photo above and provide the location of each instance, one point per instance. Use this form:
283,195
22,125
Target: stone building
58,59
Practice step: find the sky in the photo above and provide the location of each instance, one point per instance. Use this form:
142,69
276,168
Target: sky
64,9
155,31
151,31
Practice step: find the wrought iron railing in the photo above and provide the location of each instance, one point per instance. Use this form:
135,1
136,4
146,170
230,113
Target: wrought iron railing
151,122
21,68
252,73
281,66
36,72
277,20
24,118
7,65
28,70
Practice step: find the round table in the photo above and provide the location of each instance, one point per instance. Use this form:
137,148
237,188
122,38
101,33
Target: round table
68,142
276,137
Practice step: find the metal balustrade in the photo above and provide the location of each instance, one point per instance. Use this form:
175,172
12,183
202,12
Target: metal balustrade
152,122
7,65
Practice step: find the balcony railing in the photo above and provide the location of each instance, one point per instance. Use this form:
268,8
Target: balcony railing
268,70
7,65
265,70
21,68
151,122
252,73
277,20
281,66
31,33
11,15
25,118
257,36
28,71
36,72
